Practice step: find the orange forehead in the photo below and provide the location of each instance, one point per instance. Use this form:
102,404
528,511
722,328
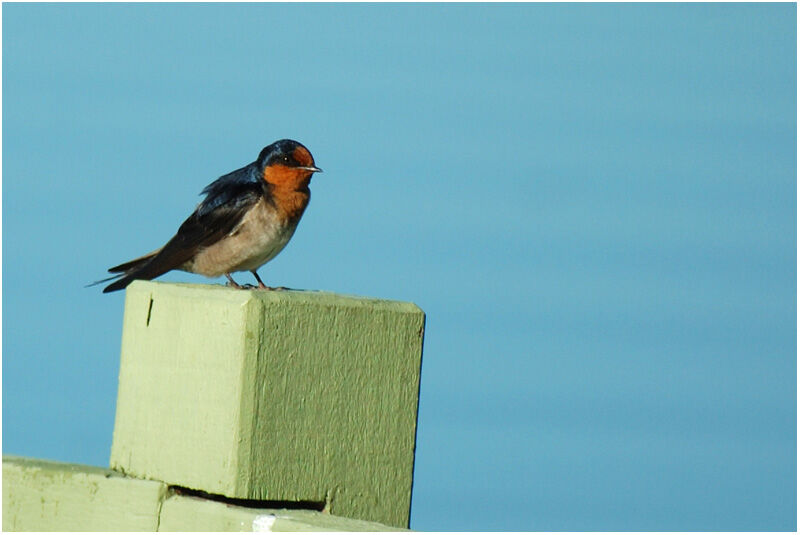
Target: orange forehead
302,156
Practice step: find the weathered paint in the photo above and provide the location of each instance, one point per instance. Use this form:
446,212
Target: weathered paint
289,396
186,513
49,496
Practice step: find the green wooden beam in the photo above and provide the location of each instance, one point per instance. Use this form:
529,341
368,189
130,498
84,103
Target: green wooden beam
186,513
49,496
284,396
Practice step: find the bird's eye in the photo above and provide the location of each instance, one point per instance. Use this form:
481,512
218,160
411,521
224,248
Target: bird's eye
285,158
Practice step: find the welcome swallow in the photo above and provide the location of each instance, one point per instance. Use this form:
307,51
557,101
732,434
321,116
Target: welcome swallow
246,219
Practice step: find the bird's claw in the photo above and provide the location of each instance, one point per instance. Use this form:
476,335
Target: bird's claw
263,286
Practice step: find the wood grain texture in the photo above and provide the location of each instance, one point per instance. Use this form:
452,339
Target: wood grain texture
289,396
50,496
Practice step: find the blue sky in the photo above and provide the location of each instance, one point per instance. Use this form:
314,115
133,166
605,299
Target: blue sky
594,204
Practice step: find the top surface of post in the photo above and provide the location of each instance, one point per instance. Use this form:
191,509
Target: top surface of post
218,291
288,396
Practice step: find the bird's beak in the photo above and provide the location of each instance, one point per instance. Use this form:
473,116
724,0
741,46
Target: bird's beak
311,168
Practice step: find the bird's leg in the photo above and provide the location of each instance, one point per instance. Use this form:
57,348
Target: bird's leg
232,282
260,282
264,286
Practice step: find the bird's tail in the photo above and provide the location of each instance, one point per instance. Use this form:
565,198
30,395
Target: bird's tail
101,281
124,280
128,272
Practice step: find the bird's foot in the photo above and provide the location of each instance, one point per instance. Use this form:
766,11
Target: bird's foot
263,286
232,283
242,286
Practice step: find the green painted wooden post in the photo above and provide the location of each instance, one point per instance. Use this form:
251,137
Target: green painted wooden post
286,396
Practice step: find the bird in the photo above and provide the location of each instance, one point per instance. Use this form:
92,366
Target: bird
246,218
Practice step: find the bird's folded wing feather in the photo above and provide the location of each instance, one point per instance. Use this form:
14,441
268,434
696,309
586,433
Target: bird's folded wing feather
227,200
201,229
133,264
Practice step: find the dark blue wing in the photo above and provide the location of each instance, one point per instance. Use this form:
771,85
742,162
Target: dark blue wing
228,188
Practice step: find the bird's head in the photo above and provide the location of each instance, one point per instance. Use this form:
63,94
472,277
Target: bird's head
287,163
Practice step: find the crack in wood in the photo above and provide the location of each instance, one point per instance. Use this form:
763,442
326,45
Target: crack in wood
308,505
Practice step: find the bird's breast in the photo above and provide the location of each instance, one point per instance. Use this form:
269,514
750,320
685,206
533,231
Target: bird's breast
263,232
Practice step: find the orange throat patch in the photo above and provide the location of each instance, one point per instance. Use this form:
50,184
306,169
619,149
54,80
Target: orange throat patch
289,188
287,177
